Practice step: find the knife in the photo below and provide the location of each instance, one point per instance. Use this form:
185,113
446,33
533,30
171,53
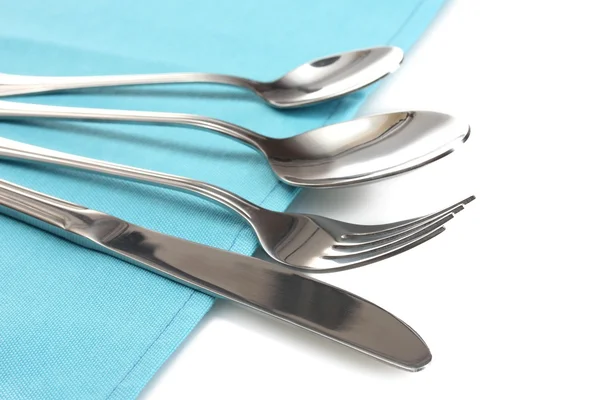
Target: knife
279,292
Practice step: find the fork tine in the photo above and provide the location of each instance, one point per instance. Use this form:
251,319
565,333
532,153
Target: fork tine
353,262
388,243
379,229
360,233
390,236
378,232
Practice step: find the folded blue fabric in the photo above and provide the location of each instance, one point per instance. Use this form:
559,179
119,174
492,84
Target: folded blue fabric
79,324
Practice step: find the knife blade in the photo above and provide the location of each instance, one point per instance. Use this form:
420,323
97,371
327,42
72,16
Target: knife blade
282,293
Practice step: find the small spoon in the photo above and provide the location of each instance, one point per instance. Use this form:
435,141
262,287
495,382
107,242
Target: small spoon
357,151
310,83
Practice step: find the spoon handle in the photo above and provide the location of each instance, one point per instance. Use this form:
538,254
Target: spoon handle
11,85
10,149
9,109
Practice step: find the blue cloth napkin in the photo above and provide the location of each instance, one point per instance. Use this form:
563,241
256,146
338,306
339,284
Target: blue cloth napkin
79,324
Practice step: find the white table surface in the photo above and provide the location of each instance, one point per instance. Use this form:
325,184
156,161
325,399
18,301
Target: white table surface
508,297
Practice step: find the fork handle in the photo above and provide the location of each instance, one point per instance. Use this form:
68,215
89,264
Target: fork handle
11,85
11,109
20,151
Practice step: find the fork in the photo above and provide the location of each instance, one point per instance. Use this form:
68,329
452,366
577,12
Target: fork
301,241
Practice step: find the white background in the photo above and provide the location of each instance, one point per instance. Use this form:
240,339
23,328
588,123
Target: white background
508,297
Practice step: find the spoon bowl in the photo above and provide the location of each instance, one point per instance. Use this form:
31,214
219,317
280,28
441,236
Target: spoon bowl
331,77
365,149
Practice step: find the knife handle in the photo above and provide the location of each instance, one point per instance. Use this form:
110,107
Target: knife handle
165,255
68,220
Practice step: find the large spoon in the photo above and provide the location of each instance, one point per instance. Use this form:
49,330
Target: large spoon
310,83
358,151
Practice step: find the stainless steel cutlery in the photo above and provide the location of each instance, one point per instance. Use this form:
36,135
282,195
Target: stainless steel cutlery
362,150
314,82
308,242
358,151
318,307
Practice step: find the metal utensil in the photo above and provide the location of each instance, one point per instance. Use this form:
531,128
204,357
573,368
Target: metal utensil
358,151
310,83
308,242
284,294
